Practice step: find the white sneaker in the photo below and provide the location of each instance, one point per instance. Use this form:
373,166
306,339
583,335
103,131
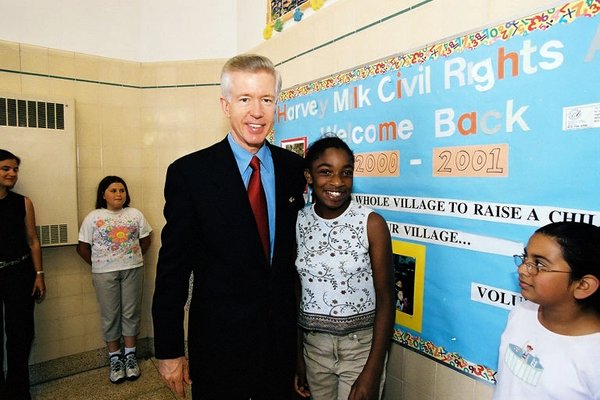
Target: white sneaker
117,369
132,369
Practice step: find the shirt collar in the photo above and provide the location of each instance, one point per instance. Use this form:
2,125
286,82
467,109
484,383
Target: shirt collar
243,156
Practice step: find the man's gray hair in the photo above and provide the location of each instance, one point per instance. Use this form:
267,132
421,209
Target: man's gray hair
247,63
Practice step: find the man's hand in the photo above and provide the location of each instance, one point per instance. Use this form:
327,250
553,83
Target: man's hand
175,372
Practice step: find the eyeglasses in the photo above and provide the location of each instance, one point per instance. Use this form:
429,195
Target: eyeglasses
532,269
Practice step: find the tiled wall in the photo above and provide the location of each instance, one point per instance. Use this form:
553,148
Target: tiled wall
133,119
411,376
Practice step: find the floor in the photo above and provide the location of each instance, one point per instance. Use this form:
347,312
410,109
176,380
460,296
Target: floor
94,385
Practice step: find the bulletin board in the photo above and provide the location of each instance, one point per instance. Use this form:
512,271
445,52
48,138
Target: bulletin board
465,147
284,9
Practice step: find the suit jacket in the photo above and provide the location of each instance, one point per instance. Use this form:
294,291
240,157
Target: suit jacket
242,318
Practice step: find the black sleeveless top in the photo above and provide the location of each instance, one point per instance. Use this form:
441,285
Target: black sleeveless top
13,236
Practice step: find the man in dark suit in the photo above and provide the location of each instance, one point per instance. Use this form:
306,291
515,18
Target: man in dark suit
242,317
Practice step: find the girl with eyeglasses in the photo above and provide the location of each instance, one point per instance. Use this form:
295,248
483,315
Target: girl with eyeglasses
551,344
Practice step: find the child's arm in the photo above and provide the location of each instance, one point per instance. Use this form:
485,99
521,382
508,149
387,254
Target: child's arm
85,251
145,243
39,286
380,251
300,382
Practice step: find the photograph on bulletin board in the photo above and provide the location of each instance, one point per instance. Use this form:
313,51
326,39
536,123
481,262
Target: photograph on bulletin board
409,281
297,145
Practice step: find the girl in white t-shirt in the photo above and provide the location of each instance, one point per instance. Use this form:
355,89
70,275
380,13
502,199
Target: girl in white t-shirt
550,348
113,239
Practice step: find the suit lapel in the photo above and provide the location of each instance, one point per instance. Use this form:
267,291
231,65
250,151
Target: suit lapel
230,190
232,195
283,197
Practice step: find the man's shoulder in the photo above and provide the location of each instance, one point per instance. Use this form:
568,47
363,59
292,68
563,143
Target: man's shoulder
286,155
206,154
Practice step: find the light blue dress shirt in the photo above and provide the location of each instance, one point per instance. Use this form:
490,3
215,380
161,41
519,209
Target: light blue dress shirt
267,177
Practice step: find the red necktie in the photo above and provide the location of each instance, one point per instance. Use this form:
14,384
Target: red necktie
258,201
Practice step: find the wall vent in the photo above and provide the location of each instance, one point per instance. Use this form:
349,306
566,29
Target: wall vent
41,131
52,234
31,114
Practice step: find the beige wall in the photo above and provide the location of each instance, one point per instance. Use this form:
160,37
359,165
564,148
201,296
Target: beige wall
164,110
132,120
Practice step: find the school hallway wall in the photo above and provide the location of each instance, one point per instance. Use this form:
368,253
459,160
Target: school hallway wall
134,118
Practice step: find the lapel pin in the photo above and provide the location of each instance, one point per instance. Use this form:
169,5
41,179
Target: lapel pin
291,199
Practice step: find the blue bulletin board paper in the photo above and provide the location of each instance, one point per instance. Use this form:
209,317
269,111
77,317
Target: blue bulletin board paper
465,147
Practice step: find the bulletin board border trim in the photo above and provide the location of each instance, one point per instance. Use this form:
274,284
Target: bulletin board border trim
440,354
543,20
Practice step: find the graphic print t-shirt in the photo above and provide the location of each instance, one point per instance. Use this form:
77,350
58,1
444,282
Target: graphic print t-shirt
535,363
114,237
